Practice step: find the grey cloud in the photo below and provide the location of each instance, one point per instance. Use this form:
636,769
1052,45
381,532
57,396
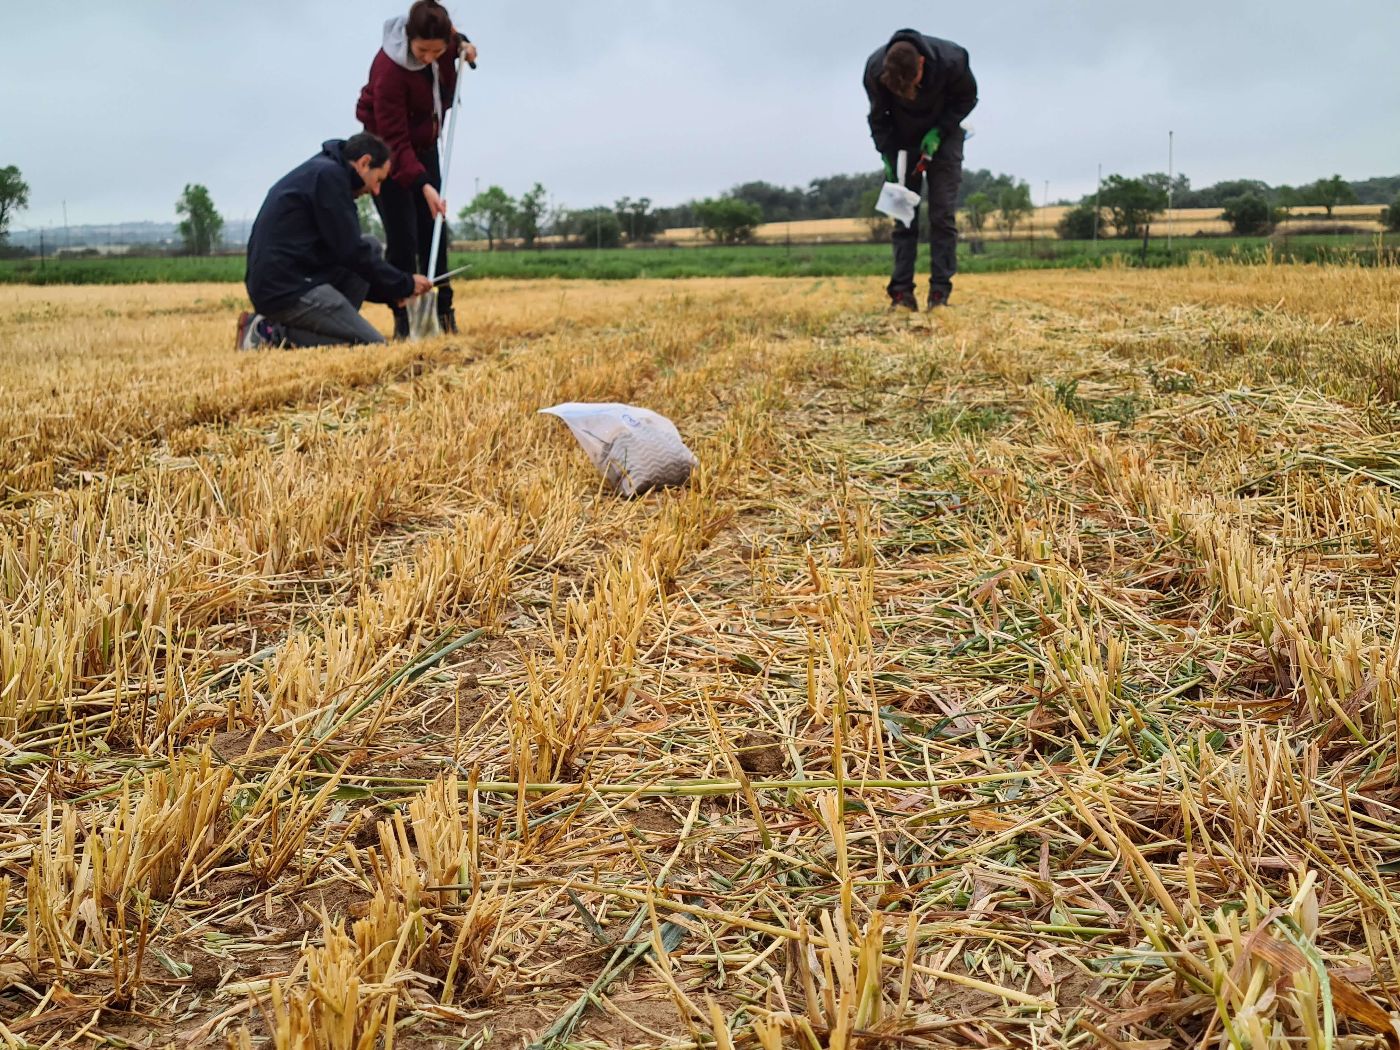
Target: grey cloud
672,100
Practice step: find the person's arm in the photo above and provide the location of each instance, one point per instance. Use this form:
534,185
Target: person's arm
389,296
391,124
339,227
447,67
960,100
881,120
466,47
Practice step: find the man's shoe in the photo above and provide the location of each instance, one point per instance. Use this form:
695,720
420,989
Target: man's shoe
252,331
447,321
904,301
401,329
936,298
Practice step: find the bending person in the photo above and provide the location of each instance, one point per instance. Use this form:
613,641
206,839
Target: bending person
309,268
412,82
921,89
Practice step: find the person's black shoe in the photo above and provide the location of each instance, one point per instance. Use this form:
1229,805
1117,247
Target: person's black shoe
400,323
936,298
904,301
447,321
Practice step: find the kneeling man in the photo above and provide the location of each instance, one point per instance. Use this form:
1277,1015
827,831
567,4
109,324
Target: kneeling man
309,268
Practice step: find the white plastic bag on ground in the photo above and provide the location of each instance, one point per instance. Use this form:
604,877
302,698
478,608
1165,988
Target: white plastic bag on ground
897,200
635,449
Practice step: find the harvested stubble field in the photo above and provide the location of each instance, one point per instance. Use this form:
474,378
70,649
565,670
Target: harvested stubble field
1024,675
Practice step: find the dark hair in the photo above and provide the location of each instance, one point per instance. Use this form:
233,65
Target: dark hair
429,20
901,68
366,144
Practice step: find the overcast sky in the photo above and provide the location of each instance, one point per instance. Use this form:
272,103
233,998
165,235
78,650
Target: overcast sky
114,106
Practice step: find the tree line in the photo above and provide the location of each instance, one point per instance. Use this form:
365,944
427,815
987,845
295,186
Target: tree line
1123,205
1129,204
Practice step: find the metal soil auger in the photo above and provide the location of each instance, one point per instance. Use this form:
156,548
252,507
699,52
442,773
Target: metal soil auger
422,311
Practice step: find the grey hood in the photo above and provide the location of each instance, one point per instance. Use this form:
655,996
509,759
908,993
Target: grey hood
396,44
396,47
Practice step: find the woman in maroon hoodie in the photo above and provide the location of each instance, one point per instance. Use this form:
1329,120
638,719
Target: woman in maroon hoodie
411,85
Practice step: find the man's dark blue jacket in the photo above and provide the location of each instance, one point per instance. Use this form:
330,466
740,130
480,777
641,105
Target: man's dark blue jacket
308,233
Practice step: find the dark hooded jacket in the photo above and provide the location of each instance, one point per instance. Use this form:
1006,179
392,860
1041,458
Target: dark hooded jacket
946,94
308,233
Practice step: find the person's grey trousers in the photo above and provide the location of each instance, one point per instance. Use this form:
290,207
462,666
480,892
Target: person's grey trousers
329,314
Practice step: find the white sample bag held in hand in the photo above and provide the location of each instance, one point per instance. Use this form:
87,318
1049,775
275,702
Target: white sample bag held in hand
635,449
897,200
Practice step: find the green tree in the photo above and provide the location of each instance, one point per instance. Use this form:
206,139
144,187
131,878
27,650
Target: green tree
1377,190
728,220
1328,193
981,180
202,224
977,208
369,217
675,217
1079,222
636,218
1216,195
1249,215
14,197
1131,203
1013,205
840,196
491,212
1180,186
1391,216
774,203
529,213
592,227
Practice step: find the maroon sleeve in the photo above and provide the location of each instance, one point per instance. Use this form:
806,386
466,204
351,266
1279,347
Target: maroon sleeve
447,78
389,96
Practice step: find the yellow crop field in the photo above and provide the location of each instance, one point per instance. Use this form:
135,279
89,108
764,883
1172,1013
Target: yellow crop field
1183,222
1023,674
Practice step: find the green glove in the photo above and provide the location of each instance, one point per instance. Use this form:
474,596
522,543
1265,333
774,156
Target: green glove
931,143
889,167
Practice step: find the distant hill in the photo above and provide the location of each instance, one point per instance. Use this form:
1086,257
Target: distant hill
133,234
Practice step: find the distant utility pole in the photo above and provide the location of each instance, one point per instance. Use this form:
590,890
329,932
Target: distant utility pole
1171,174
66,242
1098,188
1045,213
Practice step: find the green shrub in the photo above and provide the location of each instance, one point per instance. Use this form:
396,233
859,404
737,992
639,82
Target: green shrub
1391,216
1249,214
728,220
1080,223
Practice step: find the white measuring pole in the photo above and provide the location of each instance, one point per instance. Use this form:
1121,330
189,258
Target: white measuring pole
446,165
